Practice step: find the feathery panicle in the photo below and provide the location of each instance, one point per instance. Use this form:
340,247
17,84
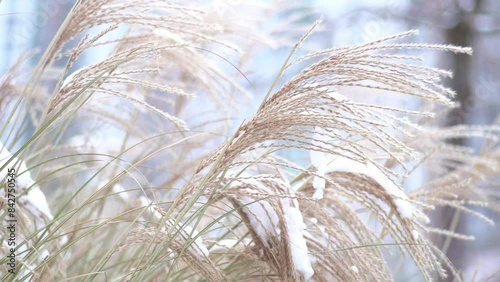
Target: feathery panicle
350,141
141,198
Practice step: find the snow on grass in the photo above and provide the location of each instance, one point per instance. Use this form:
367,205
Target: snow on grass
319,184
68,81
320,162
262,217
31,199
354,269
415,234
34,199
326,163
265,220
403,205
295,227
36,202
399,198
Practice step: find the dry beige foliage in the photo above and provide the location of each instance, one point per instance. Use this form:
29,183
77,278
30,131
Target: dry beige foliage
242,212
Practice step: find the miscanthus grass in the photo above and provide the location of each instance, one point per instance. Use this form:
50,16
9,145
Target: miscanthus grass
129,168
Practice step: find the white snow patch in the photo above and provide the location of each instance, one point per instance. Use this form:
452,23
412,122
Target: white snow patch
326,163
295,226
35,199
354,269
319,160
314,220
339,163
69,79
404,207
415,234
262,216
312,258
264,219
32,199
319,184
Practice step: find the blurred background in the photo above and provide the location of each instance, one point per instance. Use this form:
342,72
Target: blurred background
30,24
